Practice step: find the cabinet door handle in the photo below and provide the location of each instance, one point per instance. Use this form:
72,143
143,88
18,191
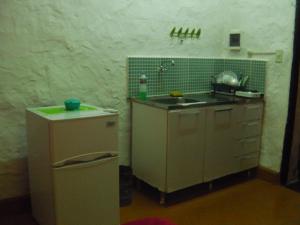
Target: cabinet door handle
223,110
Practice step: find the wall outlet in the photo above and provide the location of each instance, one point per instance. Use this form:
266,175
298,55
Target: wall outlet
279,56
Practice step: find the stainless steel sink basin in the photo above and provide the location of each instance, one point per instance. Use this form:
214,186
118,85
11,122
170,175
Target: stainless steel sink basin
174,100
189,101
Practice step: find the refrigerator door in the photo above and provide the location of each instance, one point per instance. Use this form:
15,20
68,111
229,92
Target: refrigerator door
87,193
69,138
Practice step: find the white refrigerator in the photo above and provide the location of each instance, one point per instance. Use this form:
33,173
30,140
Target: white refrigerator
73,165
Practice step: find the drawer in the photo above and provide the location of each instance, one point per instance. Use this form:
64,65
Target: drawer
248,129
253,112
248,145
248,112
249,161
252,129
71,138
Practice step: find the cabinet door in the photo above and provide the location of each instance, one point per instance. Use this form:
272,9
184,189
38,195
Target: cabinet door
220,159
185,148
149,144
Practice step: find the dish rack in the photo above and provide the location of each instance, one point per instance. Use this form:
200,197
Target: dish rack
228,82
226,89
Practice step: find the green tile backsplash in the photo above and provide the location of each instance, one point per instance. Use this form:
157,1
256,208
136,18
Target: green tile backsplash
189,75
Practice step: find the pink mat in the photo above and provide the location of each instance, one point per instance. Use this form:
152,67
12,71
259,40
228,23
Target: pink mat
150,221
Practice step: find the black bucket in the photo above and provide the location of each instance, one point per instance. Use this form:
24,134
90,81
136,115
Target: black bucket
125,185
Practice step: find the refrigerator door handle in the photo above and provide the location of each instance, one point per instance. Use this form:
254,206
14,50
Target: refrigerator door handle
86,163
84,159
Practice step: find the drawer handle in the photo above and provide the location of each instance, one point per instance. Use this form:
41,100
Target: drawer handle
253,107
253,124
251,140
110,123
250,124
248,140
248,157
245,157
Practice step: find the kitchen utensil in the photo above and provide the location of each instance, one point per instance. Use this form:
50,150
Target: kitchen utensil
244,81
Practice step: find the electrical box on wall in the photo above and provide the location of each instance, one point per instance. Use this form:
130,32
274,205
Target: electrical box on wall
235,40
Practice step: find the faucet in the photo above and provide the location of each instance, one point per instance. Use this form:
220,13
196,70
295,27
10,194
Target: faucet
163,66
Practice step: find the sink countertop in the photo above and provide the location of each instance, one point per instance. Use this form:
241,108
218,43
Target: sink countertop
209,98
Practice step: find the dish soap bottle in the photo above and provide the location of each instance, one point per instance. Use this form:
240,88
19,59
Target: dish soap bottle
143,87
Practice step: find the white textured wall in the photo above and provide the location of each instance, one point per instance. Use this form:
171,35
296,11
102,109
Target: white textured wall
268,26
51,50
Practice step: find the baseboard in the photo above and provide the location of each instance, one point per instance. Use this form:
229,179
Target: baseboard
12,206
268,175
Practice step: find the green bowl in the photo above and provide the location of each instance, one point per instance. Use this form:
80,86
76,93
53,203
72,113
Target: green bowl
72,104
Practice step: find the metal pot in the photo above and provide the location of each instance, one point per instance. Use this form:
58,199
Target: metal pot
228,77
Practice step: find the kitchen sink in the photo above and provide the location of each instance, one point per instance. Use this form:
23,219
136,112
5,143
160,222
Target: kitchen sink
174,100
188,101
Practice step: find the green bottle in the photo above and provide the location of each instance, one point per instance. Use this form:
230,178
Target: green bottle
143,87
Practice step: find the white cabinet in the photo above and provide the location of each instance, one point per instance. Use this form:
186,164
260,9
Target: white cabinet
175,149
168,146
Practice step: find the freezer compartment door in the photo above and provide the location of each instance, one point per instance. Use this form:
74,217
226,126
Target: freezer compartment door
87,193
70,138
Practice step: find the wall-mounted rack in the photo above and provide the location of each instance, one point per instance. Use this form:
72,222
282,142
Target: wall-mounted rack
181,33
